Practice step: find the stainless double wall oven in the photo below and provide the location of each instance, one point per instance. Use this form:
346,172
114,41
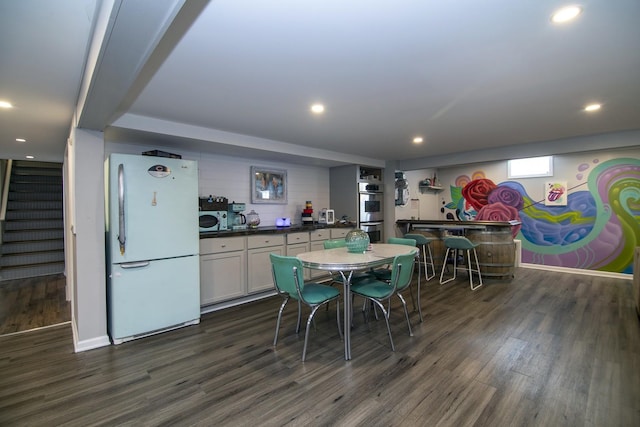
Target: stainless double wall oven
371,210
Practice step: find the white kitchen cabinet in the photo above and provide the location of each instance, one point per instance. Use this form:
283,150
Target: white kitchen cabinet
223,273
258,262
339,233
298,243
318,238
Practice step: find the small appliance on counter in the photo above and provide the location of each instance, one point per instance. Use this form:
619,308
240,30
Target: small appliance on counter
283,222
237,219
307,214
213,213
253,219
327,216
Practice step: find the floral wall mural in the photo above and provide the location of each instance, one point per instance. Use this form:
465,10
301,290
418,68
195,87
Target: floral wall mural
597,229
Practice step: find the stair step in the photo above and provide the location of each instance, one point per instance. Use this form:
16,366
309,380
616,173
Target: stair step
26,187
31,271
32,246
33,240
30,258
39,179
29,196
33,214
19,205
21,236
30,164
25,225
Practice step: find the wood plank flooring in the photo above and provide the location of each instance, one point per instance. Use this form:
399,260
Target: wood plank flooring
544,349
32,303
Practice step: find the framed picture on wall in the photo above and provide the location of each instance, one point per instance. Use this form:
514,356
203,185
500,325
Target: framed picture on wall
268,185
555,193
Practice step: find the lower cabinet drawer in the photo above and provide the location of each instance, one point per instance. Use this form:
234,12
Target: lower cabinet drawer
265,240
216,245
337,233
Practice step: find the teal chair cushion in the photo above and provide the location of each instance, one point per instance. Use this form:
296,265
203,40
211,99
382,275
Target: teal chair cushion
373,289
315,293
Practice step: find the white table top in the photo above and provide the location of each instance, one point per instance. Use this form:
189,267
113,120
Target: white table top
339,259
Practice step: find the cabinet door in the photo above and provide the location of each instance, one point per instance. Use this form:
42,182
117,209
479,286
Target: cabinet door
293,250
260,277
314,274
222,276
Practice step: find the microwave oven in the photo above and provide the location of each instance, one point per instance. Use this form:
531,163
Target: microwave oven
213,220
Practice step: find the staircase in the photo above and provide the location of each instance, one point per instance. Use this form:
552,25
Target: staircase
33,237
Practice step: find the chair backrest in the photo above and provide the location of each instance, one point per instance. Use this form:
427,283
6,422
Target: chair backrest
402,271
458,242
335,243
401,241
288,276
420,239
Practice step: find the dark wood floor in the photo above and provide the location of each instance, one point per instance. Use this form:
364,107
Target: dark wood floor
36,302
545,349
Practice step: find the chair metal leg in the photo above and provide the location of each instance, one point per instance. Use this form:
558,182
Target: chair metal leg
444,266
306,334
275,339
406,314
430,263
477,270
386,319
299,317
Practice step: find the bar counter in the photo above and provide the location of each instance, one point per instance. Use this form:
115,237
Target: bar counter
496,248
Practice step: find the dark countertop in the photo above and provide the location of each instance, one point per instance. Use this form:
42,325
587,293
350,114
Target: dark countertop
272,230
421,224
456,223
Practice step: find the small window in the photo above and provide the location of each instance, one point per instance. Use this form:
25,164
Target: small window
530,168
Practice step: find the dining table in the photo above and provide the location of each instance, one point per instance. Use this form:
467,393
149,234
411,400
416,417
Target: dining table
346,263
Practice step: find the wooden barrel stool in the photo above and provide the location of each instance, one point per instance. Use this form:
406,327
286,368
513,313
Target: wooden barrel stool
496,252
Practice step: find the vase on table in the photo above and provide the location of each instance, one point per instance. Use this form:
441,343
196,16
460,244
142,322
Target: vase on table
357,241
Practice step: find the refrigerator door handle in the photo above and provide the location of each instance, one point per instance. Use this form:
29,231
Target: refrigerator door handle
122,238
135,264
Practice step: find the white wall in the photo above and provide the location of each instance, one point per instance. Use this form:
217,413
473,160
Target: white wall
86,227
230,177
422,205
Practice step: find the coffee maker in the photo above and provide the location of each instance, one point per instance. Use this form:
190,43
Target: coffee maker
237,220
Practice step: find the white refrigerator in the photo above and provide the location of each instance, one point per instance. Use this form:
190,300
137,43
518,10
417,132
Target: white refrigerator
153,271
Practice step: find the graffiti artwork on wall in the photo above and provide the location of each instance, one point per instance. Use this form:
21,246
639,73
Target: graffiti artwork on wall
597,229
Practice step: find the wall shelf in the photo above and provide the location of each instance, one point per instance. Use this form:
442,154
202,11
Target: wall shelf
428,188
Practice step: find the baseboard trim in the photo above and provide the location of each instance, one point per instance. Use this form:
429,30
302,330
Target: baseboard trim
90,344
578,271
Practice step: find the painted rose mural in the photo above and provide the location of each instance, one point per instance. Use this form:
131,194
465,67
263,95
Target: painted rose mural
598,229
490,202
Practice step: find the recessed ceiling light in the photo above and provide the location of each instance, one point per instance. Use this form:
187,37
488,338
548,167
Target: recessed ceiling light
21,140
317,108
5,104
565,14
592,107
30,157
417,140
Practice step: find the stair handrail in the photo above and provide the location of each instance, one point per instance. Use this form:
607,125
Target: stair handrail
5,191
5,197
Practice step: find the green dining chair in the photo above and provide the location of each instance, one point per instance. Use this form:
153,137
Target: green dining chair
378,291
336,277
334,243
288,277
385,273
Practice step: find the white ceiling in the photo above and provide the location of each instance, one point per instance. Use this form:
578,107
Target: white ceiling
232,75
